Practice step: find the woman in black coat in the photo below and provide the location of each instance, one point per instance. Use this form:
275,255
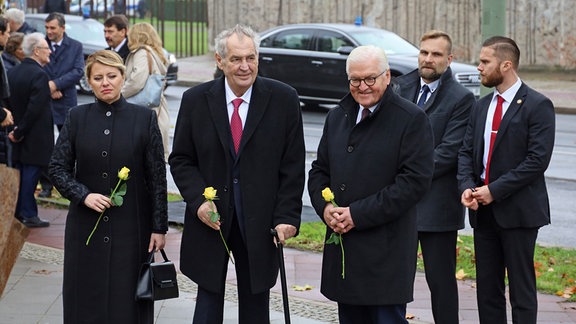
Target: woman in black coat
96,141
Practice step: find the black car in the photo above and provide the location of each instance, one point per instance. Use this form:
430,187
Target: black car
312,58
90,33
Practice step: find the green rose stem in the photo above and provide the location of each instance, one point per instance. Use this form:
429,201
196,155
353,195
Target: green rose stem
335,238
112,196
214,217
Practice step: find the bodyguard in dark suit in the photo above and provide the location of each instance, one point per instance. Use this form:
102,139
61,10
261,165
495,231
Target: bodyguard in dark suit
440,214
378,166
33,134
506,149
116,35
259,178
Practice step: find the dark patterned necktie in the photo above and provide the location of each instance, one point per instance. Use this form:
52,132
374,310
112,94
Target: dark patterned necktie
236,124
422,99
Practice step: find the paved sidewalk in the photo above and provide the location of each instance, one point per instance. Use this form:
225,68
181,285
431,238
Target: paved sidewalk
33,292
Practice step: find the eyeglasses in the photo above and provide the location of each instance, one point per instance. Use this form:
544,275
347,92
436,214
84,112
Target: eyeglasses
370,81
43,47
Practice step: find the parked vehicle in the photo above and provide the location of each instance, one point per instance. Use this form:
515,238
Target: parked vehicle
312,58
90,33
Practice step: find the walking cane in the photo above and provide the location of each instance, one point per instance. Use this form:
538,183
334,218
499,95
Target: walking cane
282,276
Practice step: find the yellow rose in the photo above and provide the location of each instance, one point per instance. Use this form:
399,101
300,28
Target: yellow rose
327,194
123,173
210,193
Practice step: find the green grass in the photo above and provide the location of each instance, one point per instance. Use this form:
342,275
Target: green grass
555,267
192,38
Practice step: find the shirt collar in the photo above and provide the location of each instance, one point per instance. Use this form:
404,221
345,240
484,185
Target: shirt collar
231,96
510,93
432,85
117,48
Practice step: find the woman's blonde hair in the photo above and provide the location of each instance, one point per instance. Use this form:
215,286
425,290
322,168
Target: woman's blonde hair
143,33
105,57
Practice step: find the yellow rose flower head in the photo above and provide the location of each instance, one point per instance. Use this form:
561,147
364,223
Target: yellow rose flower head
123,173
327,194
210,193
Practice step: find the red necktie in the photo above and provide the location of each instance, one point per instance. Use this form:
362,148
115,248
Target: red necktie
236,124
495,125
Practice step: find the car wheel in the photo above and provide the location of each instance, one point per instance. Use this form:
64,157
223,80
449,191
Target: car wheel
84,86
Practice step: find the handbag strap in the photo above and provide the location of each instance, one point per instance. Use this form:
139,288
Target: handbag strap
148,56
151,256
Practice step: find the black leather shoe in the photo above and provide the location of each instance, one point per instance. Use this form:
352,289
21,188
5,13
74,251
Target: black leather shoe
34,222
45,193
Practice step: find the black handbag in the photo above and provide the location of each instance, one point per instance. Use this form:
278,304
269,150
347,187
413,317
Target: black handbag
157,280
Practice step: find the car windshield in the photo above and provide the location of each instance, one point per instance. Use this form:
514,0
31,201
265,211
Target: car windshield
87,30
390,42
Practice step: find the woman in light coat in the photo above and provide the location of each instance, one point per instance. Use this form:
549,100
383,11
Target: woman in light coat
144,43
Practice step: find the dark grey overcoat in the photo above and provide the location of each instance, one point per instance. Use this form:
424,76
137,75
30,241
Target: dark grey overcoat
380,168
97,140
448,109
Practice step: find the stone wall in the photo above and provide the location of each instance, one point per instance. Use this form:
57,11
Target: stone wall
544,30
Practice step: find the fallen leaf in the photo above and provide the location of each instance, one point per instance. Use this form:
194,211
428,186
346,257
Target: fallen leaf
460,275
302,288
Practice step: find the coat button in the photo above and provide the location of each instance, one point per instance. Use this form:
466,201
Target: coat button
106,239
225,188
350,148
104,154
105,218
342,187
104,175
235,181
106,132
108,113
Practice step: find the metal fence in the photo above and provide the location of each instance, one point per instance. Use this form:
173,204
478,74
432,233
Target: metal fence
181,24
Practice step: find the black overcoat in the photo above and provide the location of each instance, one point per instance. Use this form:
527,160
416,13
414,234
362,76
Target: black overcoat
269,169
30,105
380,168
97,140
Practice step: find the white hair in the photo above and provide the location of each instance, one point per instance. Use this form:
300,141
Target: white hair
16,15
366,52
30,42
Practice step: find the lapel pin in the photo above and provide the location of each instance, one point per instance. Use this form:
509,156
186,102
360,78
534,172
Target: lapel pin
519,101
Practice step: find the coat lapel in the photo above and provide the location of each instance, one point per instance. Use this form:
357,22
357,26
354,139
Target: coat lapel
512,110
256,110
217,106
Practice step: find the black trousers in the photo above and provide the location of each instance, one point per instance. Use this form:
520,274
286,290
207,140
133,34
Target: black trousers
372,314
252,308
500,251
439,253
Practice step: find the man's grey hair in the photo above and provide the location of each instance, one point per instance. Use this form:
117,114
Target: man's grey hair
16,15
240,30
30,42
366,52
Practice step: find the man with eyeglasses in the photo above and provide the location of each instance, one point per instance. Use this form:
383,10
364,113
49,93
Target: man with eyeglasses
376,156
440,214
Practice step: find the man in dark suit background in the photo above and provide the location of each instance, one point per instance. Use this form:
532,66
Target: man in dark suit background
440,213
116,35
65,69
259,177
33,134
506,149
376,156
